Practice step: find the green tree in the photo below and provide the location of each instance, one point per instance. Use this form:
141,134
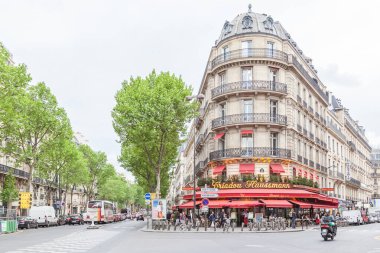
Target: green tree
31,120
149,116
114,189
9,191
96,163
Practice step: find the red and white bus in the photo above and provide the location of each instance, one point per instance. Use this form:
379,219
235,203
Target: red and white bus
99,211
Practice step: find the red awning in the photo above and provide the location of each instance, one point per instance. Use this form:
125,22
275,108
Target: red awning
301,204
247,168
217,136
277,168
219,169
189,204
246,131
276,203
320,206
234,203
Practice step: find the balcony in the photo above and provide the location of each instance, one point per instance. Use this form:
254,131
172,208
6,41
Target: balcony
249,118
318,166
299,99
317,115
311,163
305,161
16,172
311,80
353,182
250,152
339,175
299,158
199,142
247,54
336,130
248,87
200,166
311,110
375,175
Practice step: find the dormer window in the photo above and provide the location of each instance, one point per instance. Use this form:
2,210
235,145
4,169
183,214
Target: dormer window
268,23
247,22
227,28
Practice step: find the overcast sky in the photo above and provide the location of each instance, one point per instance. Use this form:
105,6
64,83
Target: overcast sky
83,50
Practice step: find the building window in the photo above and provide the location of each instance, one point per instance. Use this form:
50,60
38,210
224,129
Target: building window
328,141
299,89
246,47
304,122
246,76
222,78
273,78
223,110
310,101
298,117
304,95
274,143
222,143
248,110
247,144
270,49
311,127
311,153
226,53
273,110
305,150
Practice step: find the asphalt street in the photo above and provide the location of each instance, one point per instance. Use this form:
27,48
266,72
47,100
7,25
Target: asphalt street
127,237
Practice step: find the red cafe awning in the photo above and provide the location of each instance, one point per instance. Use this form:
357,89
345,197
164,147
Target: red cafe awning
276,203
276,168
246,131
301,204
233,203
219,169
218,136
320,206
189,204
247,168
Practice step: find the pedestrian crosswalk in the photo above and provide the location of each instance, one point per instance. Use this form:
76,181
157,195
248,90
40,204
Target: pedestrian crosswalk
74,243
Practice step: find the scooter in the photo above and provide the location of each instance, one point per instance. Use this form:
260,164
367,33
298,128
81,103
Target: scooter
328,231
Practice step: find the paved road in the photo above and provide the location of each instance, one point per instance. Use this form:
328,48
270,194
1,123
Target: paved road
126,237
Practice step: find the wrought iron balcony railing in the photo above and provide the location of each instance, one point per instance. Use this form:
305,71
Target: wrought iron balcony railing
311,163
311,109
318,166
354,182
305,161
246,118
304,104
250,152
299,158
249,53
16,172
247,86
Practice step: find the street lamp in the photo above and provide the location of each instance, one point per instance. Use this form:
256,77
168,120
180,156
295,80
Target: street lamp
198,97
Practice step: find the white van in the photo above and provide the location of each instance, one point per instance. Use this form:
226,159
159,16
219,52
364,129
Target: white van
353,217
45,215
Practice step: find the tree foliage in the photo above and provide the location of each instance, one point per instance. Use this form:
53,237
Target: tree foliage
149,116
9,191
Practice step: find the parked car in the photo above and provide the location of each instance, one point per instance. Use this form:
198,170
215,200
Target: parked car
140,217
45,215
27,222
62,220
75,219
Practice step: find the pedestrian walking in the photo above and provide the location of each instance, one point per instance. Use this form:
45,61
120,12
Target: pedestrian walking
294,217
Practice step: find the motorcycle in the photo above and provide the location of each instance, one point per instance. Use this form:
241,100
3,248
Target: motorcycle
328,230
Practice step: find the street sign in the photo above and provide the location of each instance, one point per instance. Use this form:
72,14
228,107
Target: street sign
25,200
147,196
209,195
209,189
205,202
204,209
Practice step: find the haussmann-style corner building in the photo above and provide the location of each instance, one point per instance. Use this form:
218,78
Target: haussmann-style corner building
269,134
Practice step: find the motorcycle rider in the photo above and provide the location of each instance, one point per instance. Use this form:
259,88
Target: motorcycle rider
329,219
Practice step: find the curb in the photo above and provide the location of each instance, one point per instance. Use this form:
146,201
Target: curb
230,231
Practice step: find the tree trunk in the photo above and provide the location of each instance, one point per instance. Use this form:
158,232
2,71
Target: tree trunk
158,181
71,199
64,200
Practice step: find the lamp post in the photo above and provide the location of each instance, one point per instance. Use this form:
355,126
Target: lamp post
198,97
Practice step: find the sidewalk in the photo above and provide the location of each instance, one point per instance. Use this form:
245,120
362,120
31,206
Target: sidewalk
220,230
